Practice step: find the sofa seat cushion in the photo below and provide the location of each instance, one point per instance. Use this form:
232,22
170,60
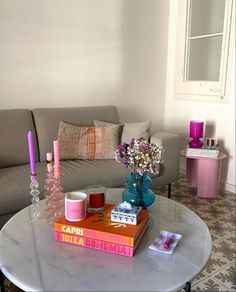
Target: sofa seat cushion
76,174
14,185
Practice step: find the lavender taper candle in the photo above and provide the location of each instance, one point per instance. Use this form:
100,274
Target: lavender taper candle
31,153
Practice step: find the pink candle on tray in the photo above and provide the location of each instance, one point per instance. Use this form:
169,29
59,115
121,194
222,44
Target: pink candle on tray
31,153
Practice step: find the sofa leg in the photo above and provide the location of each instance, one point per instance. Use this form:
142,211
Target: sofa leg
2,281
169,191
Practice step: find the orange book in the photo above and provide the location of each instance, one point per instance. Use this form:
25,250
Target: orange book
99,226
99,244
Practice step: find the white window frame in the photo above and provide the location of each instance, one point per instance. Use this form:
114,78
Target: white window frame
191,89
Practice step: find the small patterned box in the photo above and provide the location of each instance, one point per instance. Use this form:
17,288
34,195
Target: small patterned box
125,213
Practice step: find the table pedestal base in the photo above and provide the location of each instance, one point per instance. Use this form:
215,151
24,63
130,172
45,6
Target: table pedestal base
204,174
2,282
187,287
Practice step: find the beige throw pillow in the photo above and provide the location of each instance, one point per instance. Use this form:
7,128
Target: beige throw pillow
87,142
130,130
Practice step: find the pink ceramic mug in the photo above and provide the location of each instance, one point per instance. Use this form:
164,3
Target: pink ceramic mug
75,206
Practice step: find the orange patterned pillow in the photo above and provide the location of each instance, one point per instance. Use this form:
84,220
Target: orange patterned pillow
87,142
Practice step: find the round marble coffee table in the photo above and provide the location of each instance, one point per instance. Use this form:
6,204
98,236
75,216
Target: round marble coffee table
33,261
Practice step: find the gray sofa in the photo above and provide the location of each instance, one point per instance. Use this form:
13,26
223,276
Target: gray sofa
76,174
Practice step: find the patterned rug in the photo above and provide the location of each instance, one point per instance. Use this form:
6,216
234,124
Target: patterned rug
219,214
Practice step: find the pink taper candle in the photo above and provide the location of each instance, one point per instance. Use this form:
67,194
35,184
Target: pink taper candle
31,153
56,159
56,153
56,171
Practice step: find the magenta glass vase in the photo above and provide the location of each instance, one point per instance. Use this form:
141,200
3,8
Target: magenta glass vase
196,132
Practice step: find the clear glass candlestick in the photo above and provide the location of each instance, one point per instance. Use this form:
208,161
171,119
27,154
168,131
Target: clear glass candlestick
49,181
55,198
34,193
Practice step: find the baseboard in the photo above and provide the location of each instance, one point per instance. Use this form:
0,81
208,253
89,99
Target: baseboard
223,185
182,171
228,187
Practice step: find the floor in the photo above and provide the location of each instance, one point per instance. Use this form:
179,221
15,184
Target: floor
219,214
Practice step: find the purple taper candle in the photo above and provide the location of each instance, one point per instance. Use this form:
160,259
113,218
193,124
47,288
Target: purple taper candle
196,129
31,153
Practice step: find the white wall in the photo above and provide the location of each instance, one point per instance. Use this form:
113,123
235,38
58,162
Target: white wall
145,41
219,117
59,53
85,52
92,52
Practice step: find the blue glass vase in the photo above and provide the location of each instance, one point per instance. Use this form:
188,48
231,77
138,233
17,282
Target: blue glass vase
138,191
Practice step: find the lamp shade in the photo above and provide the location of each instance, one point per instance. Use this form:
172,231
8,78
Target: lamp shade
196,129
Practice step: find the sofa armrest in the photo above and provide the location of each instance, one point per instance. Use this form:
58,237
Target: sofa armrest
171,143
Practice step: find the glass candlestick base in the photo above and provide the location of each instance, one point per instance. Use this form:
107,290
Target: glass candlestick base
34,192
54,201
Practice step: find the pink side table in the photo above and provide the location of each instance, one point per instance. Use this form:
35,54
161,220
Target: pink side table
204,174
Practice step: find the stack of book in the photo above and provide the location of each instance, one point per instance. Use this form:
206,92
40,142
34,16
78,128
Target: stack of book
97,231
203,152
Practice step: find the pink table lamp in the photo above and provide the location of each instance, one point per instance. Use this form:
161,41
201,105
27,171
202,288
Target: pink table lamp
196,132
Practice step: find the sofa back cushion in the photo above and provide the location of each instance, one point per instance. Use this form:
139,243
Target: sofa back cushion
87,142
47,122
14,127
129,130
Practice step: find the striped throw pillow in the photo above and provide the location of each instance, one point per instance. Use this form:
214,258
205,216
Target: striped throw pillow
87,142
